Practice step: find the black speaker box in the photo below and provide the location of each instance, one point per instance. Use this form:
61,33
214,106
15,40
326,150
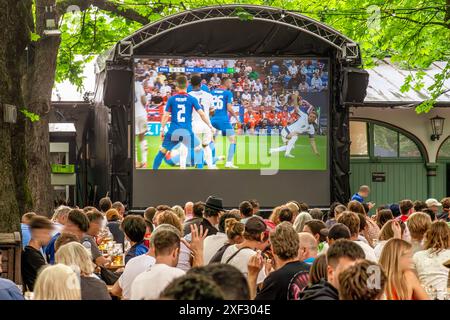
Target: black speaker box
354,85
118,85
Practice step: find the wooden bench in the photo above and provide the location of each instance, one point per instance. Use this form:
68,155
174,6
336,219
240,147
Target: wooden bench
11,248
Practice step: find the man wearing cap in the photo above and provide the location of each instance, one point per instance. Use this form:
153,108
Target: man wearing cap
211,215
433,205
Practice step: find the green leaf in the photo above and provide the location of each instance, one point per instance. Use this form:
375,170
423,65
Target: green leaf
33,117
34,36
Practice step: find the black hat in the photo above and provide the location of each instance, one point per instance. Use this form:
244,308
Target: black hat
255,225
337,231
214,203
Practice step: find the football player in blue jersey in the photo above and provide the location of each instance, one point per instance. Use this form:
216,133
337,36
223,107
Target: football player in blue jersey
179,107
223,103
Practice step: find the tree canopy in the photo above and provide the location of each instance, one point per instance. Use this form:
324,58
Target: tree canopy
413,33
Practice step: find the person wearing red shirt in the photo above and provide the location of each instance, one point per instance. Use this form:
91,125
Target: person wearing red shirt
406,208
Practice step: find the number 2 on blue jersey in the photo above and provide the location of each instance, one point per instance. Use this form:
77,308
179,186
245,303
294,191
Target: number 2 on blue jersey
181,113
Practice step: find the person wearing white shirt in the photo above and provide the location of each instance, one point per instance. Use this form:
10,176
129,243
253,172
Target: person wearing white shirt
351,220
138,265
165,90
255,238
429,263
149,284
316,82
140,115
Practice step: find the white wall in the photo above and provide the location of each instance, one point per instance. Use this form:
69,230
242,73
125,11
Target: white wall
407,119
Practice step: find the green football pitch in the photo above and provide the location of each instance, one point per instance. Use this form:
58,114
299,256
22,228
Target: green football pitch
252,153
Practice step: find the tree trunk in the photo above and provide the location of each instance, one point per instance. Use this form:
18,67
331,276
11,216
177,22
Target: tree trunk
14,35
38,87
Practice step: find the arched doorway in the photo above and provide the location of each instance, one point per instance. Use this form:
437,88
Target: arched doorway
388,159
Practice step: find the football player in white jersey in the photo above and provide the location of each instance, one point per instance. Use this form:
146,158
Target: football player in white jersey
199,127
140,125
303,125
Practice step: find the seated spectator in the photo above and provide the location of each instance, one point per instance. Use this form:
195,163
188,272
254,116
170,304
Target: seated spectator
332,216
25,228
211,215
213,243
286,215
134,228
318,270
51,284
434,205
406,208
104,204
65,238
392,229
88,239
114,220
120,208
419,205
138,265
316,214
245,210
234,230
384,216
445,215
149,214
32,256
75,255
336,232
255,205
300,220
149,284
59,219
373,230
255,238
313,227
307,251
340,255
198,210
189,209
8,289
356,283
402,282
418,224
180,213
192,287
430,213
290,276
230,280
294,209
275,215
351,220
429,263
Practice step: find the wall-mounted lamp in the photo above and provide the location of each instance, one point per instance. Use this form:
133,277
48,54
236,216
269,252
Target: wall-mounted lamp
437,127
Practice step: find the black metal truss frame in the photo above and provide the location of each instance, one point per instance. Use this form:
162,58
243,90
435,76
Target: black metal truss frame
347,49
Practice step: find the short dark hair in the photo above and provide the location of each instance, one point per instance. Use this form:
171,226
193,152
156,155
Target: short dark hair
315,226
182,82
149,213
285,214
254,202
419,205
232,282
94,215
40,222
192,287
104,204
339,231
134,227
198,209
430,213
383,216
405,206
344,248
210,212
224,217
362,221
79,218
196,80
316,213
246,209
302,206
164,241
65,238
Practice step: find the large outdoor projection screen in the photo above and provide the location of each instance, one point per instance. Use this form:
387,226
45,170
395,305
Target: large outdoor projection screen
269,141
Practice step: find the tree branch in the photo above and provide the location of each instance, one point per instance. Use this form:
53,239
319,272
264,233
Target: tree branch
103,5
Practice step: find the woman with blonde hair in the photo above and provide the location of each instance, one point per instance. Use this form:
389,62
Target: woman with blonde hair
430,262
57,282
75,255
234,229
275,215
391,229
300,220
180,213
402,282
